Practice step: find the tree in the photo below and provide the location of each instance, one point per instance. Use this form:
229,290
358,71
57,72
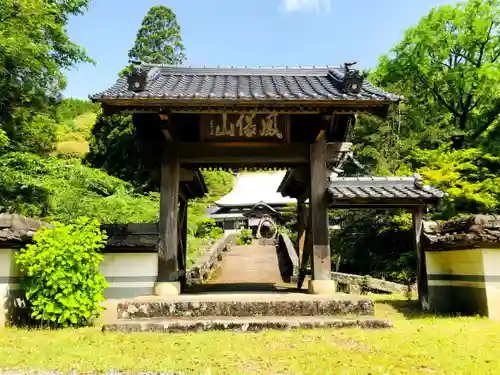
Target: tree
447,68
34,50
159,42
449,65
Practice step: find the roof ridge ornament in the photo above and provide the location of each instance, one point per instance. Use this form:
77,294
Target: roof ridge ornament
137,78
419,181
353,79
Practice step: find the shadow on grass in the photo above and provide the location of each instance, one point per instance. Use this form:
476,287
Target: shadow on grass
411,309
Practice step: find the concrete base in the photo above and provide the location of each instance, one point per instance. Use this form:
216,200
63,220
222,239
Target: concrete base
322,287
167,289
238,324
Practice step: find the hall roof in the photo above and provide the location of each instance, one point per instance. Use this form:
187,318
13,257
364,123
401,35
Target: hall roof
179,83
253,188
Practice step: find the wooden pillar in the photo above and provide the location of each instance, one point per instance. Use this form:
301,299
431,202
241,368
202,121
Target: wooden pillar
307,252
301,227
182,240
319,211
321,259
168,232
423,288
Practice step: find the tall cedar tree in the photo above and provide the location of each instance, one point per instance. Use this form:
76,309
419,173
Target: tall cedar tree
114,144
159,39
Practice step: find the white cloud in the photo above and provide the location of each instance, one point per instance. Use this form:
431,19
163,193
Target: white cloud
305,5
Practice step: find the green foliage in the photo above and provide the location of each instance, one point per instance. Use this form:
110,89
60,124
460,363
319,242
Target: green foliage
62,190
219,184
67,110
63,284
33,132
114,142
70,108
35,49
449,65
4,141
376,243
447,69
469,176
245,237
115,147
159,39
206,234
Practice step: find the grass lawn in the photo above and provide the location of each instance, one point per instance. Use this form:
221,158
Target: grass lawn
417,345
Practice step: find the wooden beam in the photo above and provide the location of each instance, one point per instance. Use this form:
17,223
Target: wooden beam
308,249
422,283
193,153
301,227
182,241
186,175
169,197
319,210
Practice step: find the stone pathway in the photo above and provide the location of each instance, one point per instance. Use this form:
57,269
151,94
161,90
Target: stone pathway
249,264
246,268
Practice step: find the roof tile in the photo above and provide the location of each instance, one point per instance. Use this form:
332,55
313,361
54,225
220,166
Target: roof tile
346,188
174,82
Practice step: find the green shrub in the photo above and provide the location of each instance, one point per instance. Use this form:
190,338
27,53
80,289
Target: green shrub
62,282
215,232
245,237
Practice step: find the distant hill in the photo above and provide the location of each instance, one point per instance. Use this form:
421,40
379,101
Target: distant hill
76,118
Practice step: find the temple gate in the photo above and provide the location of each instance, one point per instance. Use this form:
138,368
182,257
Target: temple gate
232,118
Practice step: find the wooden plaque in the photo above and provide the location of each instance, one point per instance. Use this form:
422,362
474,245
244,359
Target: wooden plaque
244,127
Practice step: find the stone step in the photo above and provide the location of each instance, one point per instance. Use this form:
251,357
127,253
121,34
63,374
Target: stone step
244,324
245,305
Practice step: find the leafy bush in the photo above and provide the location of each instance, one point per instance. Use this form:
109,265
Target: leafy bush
469,176
245,237
63,285
216,232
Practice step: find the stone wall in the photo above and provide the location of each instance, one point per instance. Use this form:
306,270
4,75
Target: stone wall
209,261
463,265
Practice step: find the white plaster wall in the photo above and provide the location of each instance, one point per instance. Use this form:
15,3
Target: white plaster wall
129,274
492,274
8,270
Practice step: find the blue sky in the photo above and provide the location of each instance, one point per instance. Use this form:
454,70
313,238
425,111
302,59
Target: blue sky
245,32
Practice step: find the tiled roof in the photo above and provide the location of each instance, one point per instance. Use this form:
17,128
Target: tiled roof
238,84
383,188
18,228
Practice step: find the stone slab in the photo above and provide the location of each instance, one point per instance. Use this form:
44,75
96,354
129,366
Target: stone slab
322,287
245,305
236,324
164,289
